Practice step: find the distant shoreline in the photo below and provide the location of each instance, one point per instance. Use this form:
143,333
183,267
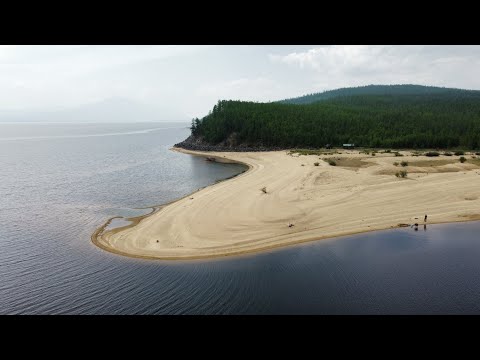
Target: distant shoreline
235,217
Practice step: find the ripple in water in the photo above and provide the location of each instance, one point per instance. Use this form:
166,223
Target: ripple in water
55,192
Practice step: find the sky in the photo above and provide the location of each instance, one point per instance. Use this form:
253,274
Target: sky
180,82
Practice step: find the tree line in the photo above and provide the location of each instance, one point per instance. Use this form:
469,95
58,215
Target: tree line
443,119
405,89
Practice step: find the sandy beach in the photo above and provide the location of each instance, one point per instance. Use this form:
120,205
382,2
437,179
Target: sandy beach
360,194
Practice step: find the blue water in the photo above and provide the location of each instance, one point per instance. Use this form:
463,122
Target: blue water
58,182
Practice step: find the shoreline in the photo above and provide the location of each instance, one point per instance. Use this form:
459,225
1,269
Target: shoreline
135,220
129,240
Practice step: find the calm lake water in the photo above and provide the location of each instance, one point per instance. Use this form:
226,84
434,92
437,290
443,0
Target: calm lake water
59,182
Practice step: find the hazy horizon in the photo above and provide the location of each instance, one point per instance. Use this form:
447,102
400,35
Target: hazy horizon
177,83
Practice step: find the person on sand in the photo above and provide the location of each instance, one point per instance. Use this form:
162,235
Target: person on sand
425,220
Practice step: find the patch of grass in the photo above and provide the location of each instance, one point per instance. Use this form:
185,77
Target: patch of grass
316,163
264,189
477,153
462,159
430,163
404,163
373,154
458,153
387,151
402,174
331,162
353,163
395,163
475,161
307,151
432,153
447,153
398,154
350,163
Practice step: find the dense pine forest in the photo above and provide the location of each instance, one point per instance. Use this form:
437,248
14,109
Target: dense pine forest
376,90
397,116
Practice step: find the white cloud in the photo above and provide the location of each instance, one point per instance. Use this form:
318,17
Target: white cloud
62,76
191,79
260,89
255,89
353,59
351,65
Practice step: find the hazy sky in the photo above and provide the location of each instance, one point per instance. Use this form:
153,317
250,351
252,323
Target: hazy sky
182,82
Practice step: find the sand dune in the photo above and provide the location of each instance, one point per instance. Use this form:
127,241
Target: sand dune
235,216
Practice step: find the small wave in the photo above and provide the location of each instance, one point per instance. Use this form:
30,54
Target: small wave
145,131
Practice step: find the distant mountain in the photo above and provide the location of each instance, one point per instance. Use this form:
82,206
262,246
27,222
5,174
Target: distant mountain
376,90
109,110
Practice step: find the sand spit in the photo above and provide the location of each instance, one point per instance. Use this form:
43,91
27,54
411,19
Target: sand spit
303,202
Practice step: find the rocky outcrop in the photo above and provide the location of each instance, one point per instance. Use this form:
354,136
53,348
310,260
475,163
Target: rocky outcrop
198,144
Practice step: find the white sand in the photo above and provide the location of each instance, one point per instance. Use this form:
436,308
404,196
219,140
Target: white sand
235,216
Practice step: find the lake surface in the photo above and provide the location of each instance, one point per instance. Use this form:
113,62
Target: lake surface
58,182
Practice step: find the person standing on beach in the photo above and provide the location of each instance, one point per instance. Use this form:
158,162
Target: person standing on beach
425,220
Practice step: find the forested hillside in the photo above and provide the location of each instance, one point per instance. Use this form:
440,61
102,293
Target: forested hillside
420,117
376,90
